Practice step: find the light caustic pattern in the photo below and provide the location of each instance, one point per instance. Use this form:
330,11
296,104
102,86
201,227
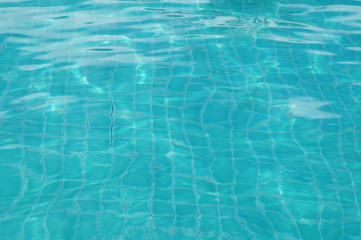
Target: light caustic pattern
169,119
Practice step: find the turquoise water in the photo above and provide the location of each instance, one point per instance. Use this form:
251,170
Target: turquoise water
170,119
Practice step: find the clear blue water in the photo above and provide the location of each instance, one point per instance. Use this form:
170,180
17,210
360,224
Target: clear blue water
180,119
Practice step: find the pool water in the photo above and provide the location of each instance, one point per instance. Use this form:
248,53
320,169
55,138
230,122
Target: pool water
180,119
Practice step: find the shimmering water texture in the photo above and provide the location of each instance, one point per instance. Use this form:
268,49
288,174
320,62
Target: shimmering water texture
180,119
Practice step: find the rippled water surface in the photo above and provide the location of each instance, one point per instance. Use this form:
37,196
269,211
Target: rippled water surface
180,119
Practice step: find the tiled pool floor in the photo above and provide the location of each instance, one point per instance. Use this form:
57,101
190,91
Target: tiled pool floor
169,119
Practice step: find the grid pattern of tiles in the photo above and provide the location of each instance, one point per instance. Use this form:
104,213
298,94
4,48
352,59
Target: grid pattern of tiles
187,119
